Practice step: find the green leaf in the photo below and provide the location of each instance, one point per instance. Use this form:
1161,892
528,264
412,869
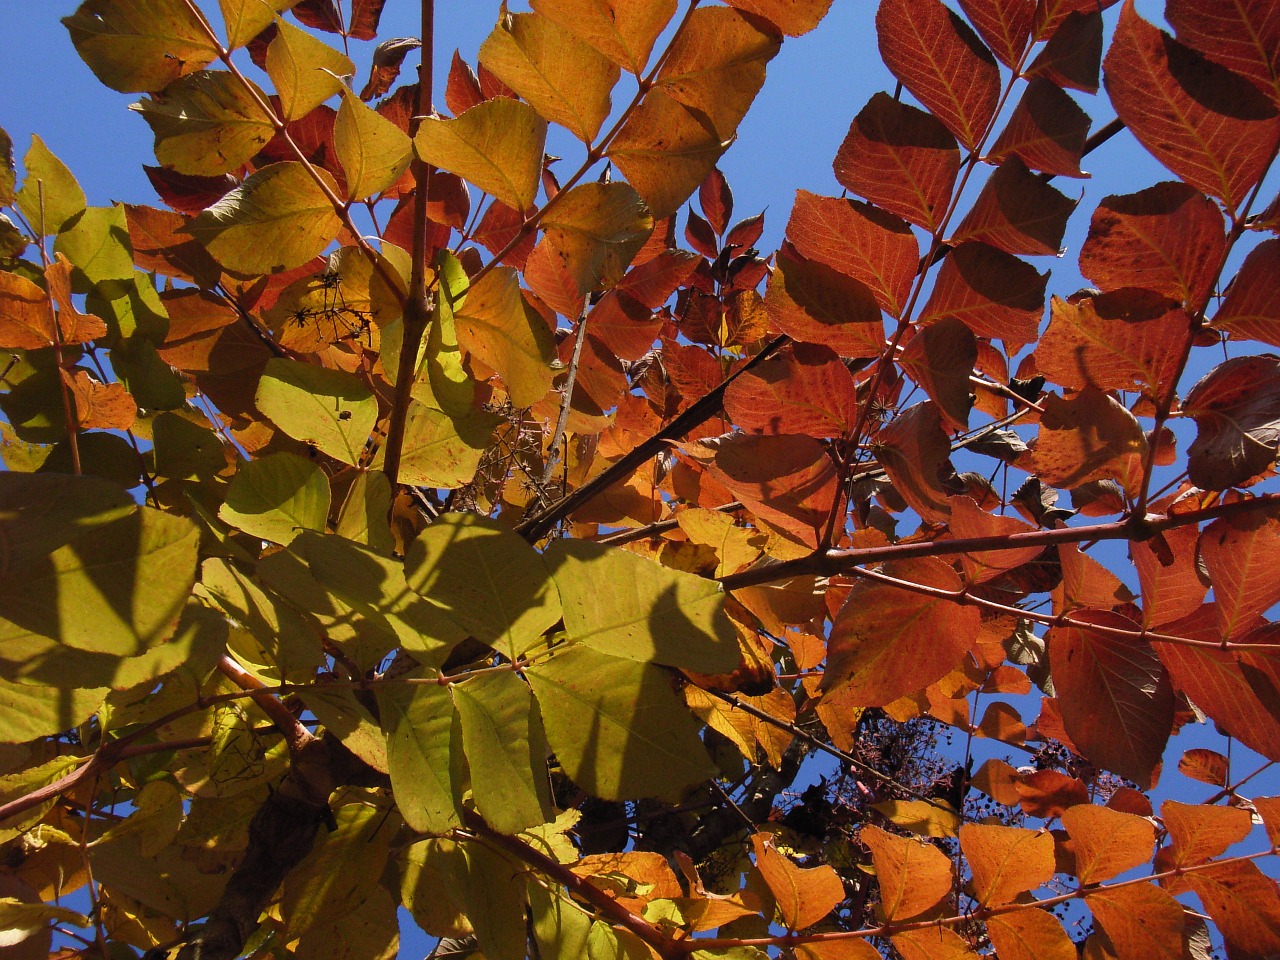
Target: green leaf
507,335
506,750
185,450
496,145
29,711
279,218
617,727
373,151
650,613
50,194
305,70
88,579
336,707
277,497
487,579
451,385
245,19
288,643
441,451
8,175
208,123
596,229
138,46
330,409
566,80
235,759
364,513
491,890
559,925
97,244
425,764
25,781
150,380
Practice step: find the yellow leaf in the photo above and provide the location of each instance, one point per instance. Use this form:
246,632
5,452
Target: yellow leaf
373,151
305,70
623,30
928,818
139,45
595,229
496,145
507,335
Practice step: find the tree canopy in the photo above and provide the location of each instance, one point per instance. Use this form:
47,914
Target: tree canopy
406,527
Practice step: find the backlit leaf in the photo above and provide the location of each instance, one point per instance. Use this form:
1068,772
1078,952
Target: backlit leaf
1116,703
30,711
1200,833
139,45
306,70
1142,921
1239,555
926,818
506,750
1006,861
803,390
207,124
616,726
969,520
932,943
803,896
564,78
939,58
1004,24
1242,36
507,335
424,760
887,642
496,145
487,579
651,613
940,358
1072,57
1047,131
1030,935
623,30
1252,306
914,451
50,195
792,17
1244,904
1169,572
1089,436
1236,406
814,303
1017,212
278,218
373,151
97,405
245,19
277,497
1107,842
1210,127
996,295
914,876
330,409
594,231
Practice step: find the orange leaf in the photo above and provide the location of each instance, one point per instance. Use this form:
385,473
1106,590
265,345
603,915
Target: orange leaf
792,17
968,520
26,320
1169,571
900,158
1047,793
1236,407
1117,705
997,295
914,875
915,453
932,943
1017,212
803,896
1209,126
887,642
1090,436
1207,766
1168,238
814,303
998,780
1107,842
858,240
941,357
1242,35
1004,24
1002,722
1269,808
160,245
1047,131
1200,833
1029,935
1006,861
1143,922
1240,554
1251,309
1245,905
100,406
803,390
939,58
623,30
847,948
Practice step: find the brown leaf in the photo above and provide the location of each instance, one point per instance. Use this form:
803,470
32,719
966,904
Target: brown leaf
814,303
1047,131
1117,704
887,642
1251,309
365,15
914,876
939,58
856,239
803,896
1006,861
1240,556
1207,766
900,158
996,295
1017,212
1073,55
100,406
1236,407
1200,833
1168,238
1143,922
915,453
384,70
1090,436
1209,126
1242,35
802,390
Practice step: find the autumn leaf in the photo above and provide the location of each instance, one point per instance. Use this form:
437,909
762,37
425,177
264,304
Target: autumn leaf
803,896
913,875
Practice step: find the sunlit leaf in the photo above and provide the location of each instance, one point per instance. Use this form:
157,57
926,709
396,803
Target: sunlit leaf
373,151
1107,842
1252,305
805,390
1141,920
1030,935
329,409
996,295
1236,407
1017,212
623,30
440,450
1238,555
510,337
1006,861
140,45
305,70
1089,436
914,876
1047,131
245,19
1242,36
814,303
803,896
277,497
425,761
595,230
50,195
1200,833
30,711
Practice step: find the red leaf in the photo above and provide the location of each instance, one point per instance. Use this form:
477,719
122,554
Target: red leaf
1051,14
1168,238
1073,54
1244,904
1126,340
160,245
1169,574
1242,35
941,358
887,642
365,15
498,227
900,158
701,236
319,15
186,193
746,232
1017,212
1116,701
996,295
716,200
1090,436
787,482
1236,407
1206,766
462,91
1209,126
1240,554
939,58
803,390
1047,131
1004,24
813,303
915,453
624,325
858,240
969,521
1252,307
